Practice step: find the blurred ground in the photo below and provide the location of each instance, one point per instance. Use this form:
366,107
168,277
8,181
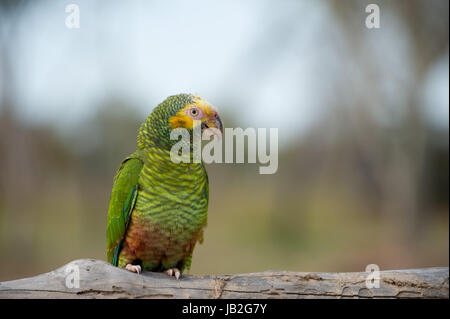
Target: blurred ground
363,129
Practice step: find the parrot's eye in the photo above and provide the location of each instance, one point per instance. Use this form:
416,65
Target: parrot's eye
195,113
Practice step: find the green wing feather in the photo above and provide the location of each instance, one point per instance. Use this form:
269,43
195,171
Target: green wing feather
121,204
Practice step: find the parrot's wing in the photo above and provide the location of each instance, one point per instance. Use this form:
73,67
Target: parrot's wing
121,204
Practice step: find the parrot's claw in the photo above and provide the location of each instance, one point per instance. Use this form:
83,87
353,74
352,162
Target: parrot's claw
133,268
174,272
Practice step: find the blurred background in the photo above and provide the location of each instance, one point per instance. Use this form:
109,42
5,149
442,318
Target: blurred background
362,114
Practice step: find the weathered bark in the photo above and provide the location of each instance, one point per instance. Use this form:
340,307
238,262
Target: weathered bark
98,279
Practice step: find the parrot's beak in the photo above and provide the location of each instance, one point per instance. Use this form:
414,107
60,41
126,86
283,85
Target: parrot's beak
215,123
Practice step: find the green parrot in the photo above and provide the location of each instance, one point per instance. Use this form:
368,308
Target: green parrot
158,208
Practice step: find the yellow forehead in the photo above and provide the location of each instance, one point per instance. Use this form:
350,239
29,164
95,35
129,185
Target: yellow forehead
182,119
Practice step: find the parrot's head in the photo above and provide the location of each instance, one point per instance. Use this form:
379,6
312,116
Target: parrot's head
178,111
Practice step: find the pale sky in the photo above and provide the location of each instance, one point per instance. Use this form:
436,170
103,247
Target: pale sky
144,51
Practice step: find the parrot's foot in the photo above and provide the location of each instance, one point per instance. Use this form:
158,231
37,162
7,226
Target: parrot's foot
174,272
133,268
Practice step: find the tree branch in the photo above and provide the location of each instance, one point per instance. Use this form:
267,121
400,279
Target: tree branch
98,279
